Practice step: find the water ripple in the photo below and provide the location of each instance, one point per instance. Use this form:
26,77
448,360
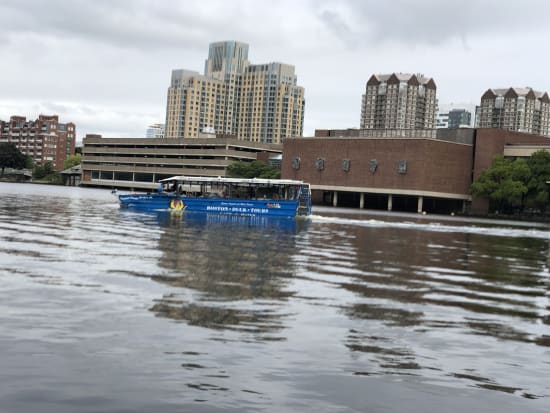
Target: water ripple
222,311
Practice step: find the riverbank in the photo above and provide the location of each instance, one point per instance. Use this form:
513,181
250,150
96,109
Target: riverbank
487,219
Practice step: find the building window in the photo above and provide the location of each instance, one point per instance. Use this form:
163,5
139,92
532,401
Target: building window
373,165
402,167
320,164
346,165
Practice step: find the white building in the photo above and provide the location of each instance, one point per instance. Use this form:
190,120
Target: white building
155,131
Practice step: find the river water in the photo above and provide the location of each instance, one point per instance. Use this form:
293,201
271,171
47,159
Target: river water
109,310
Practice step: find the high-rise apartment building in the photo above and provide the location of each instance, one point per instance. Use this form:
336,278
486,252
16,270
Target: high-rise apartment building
258,103
44,139
399,101
516,109
271,106
226,62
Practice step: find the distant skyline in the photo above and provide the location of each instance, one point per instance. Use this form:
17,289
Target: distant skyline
106,65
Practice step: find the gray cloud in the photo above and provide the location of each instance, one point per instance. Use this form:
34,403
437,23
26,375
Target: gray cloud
432,22
142,24
105,64
151,25
122,23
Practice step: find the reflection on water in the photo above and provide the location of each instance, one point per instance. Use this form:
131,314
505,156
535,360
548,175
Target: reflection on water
228,259
219,318
243,313
442,286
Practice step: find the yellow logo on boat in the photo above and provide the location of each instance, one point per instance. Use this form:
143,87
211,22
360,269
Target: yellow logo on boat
176,204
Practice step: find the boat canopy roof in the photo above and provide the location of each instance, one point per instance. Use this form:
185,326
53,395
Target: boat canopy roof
233,181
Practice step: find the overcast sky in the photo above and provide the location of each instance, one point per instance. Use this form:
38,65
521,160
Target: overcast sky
106,64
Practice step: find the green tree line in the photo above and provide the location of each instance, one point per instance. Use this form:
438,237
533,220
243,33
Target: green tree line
254,169
11,157
516,185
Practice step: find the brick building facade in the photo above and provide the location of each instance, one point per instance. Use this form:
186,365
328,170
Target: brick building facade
491,142
43,139
430,174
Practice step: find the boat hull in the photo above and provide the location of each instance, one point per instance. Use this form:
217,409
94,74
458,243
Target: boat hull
230,206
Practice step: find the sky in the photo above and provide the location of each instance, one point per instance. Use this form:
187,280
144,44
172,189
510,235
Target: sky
106,64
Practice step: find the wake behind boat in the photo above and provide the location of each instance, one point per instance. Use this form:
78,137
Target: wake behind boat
236,196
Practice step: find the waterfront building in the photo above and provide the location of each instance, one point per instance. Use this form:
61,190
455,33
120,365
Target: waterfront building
515,109
155,130
44,139
399,101
398,169
72,176
258,103
454,119
140,163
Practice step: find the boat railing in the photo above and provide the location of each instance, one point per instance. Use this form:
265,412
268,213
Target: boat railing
304,204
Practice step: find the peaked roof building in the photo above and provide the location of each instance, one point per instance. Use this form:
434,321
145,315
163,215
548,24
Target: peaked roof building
516,109
399,101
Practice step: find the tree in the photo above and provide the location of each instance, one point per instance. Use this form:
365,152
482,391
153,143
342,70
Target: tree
29,162
254,169
537,187
42,171
72,160
504,183
11,157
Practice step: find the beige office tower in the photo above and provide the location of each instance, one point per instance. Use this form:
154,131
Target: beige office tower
272,105
259,103
399,101
516,109
193,104
226,62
